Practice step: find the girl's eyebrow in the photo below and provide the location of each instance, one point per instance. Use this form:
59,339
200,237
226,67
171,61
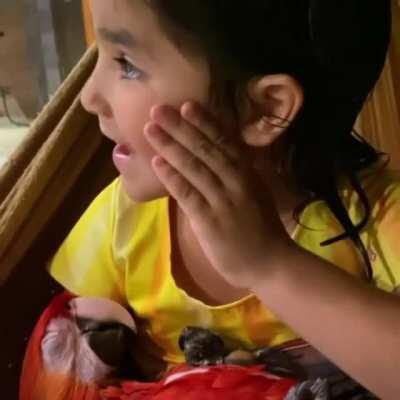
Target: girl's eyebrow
121,36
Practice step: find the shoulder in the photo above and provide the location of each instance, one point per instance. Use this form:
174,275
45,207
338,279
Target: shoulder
381,235
87,242
382,184
110,236
382,187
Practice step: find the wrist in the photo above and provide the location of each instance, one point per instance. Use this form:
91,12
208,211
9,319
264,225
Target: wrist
277,263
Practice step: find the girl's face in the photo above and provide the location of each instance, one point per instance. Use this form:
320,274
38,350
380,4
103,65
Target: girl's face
138,67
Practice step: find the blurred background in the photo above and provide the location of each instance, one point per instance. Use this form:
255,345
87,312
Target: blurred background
40,41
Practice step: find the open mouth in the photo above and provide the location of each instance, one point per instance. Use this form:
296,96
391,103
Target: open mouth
122,150
122,154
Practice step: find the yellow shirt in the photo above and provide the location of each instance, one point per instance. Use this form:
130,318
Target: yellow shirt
121,250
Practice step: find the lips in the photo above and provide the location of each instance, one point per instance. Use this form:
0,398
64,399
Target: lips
122,150
122,156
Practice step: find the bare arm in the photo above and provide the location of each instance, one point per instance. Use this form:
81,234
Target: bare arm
357,327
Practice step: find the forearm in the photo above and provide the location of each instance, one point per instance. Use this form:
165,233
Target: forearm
357,327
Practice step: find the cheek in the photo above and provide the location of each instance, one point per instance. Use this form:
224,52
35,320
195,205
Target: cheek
131,115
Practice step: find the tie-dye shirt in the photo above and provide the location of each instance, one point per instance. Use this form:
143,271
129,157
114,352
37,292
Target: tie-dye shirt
121,250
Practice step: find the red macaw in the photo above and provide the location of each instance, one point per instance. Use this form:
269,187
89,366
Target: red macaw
79,345
61,362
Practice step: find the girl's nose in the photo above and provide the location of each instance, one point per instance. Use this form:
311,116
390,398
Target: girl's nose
92,98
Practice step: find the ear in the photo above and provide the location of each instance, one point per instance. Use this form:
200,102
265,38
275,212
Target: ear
275,102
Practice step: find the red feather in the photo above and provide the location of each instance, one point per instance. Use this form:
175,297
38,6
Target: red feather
38,384
207,383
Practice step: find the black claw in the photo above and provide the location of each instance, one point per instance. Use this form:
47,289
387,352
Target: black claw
201,346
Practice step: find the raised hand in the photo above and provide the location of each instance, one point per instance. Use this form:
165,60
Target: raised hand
229,206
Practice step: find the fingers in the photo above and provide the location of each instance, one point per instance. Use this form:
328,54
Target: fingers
206,123
185,177
203,144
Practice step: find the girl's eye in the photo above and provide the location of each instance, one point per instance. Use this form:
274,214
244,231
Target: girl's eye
129,71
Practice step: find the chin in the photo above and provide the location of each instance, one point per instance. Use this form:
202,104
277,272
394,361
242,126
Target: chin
143,194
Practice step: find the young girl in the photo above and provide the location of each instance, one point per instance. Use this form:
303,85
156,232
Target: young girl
245,204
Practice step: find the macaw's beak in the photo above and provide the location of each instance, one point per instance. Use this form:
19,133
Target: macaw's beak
110,332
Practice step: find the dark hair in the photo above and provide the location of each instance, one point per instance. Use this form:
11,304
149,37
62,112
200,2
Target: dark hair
244,39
